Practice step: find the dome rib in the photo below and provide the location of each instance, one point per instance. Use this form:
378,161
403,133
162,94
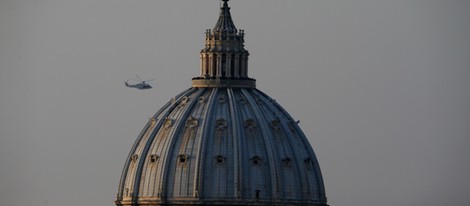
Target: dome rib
278,139
287,145
273,165
199,181
175,135
236,143
319,190
124,177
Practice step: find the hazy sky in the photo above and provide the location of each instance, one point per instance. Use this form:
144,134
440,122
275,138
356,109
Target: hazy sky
381,88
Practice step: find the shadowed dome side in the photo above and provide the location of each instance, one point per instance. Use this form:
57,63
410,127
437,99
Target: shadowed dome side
221,146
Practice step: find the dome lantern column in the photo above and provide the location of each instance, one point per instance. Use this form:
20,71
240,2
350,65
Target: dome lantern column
228,63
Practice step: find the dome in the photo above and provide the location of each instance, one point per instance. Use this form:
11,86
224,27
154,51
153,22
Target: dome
222,146
222,142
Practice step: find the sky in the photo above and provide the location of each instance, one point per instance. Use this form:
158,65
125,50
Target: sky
381,89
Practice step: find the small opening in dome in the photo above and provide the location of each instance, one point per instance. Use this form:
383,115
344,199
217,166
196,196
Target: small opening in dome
250,123
219,159
202,99
168,123
192,122
308,163
182,158
286,161
135,157
221,124
153,158
221,100
256,160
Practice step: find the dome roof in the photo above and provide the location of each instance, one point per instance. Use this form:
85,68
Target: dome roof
222,142
222,146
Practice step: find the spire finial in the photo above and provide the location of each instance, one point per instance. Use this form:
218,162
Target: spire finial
225,23
225,5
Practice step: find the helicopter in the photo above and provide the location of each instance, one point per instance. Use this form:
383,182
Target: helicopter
141,86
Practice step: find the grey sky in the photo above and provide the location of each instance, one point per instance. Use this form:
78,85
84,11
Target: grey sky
381,89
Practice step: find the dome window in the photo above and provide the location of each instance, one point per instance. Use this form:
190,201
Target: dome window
256,160
192,122
202,100
153,158
250,123
185,100
168,123
219,159
153,121
183,158
221,100
221,124
276,124
135,157
286,161
308,163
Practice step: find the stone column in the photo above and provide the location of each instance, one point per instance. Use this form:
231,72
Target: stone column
219,65
211,65
228,64
245,70
236,69
242,66
202,65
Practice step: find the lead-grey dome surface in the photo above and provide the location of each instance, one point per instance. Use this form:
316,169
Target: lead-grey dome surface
221,146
